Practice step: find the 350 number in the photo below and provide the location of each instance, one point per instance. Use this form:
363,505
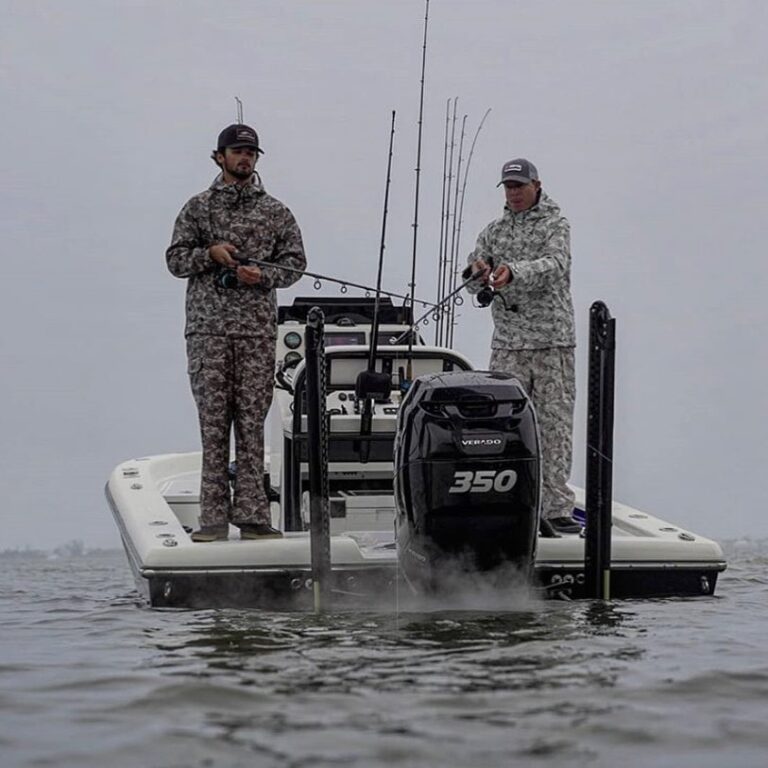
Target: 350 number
483,480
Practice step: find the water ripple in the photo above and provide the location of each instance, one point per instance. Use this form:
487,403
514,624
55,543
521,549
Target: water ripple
646,682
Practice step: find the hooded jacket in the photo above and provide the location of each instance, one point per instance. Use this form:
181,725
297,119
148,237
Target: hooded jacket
537,308
260,227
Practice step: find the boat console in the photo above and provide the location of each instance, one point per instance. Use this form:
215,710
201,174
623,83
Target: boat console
358,465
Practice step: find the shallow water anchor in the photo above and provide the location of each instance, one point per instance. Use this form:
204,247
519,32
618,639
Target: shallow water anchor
599,480
317,446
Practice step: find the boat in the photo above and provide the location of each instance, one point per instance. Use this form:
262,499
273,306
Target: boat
373,507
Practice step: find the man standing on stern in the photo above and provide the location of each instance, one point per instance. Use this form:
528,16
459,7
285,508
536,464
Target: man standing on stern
231,326
525,256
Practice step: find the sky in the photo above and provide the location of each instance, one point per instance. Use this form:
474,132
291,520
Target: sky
648,123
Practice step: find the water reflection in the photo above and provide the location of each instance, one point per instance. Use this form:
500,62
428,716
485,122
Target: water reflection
544,646
602,618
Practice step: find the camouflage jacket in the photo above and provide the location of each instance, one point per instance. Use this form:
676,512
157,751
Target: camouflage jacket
260,227
537,308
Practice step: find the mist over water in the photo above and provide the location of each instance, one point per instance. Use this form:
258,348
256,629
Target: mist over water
459,586
91,677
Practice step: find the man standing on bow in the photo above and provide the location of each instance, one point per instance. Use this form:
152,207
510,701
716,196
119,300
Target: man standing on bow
525,257
231,326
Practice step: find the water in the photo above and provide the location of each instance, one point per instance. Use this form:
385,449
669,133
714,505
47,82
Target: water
89,677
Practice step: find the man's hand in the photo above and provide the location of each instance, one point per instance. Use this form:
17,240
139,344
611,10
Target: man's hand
484,268
501,276
249,275
222,254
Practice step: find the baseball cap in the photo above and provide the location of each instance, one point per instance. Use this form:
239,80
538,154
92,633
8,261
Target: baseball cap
238,135
521,170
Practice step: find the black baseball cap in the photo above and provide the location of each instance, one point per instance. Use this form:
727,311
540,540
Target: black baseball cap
238,135
521,170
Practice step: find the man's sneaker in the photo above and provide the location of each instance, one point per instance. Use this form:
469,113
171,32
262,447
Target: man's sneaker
565,524
258,531
211,533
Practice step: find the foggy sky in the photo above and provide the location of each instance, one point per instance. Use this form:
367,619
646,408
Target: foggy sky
647,121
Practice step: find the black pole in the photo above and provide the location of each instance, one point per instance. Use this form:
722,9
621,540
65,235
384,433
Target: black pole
317,450
599,490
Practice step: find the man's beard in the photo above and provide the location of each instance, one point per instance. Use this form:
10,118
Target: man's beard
239,173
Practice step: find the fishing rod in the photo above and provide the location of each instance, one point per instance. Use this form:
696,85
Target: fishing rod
446,217
345,284
414,327
440,265
382,246
369,384
451,323
409,371
451,283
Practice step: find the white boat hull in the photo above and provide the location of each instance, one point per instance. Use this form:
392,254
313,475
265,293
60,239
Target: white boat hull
155,504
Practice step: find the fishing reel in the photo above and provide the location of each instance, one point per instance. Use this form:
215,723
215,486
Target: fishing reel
485,296
227,276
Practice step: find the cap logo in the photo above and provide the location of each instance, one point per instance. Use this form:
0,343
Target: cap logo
241,134
514,167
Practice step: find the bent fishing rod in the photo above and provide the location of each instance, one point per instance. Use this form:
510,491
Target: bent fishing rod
439,307
244,261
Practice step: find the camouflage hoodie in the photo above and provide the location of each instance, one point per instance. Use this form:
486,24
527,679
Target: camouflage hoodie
535,243
260,227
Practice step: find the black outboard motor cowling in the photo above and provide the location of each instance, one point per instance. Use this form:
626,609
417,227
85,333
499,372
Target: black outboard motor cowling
467,475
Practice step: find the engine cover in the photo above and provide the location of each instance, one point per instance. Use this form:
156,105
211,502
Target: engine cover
467,475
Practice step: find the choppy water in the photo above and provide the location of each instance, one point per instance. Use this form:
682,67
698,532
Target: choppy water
89,677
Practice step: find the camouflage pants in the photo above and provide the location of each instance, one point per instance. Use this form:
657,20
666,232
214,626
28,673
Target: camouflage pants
547,375
232,381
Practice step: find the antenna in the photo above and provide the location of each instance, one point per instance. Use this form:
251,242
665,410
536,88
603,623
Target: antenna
239,111
418,174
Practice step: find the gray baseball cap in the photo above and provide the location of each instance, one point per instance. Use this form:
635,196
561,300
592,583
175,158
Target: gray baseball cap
521,170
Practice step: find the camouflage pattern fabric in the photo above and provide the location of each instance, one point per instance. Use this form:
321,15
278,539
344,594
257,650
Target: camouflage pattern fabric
260,227
231,335
547,375
232,382
537,308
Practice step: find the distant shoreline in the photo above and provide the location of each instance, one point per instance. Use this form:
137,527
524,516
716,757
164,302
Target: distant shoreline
56,553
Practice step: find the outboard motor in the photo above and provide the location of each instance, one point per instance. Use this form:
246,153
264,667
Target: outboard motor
467,476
